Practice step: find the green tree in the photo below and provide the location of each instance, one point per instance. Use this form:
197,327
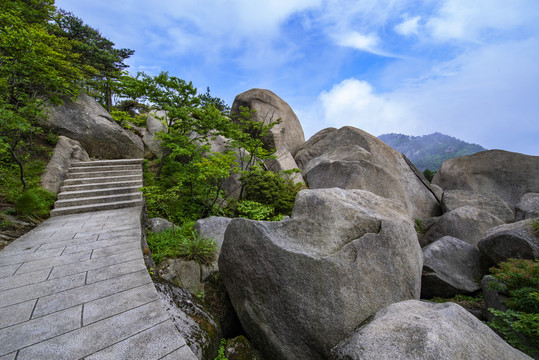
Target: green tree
35,67
102,63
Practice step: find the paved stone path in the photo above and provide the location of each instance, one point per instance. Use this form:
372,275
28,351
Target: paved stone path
76,287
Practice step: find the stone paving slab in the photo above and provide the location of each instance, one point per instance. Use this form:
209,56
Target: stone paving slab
76,287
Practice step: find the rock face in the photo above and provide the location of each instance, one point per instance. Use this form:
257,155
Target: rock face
213,227
516,240
301,285
158,225
422,330
284,161
66,152
269,107
466,223
506,174
198,328
350,158
451,266
87,122
527,207
489,202
153,145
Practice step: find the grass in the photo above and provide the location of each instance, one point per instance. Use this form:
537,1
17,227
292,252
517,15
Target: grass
183,243
467,301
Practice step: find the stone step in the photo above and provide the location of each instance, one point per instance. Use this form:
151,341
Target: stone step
98,186
97,200
81,169
107,162
97,174
95,207
98,192
107,179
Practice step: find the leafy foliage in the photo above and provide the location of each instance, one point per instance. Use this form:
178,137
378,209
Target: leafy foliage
221,353
256,211
519,325
274,189
181,242
35,202
467,301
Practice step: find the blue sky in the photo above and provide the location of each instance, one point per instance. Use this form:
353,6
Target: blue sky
466,68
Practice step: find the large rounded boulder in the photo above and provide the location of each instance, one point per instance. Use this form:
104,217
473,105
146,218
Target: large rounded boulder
90,124
506,174
350,158
301,285
288,134
412,330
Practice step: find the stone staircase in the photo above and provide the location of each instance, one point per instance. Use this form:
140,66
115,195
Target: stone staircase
100,185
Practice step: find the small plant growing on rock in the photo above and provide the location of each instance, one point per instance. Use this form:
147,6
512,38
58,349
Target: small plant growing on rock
535,227
419,226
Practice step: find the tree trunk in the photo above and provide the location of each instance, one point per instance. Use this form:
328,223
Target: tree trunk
21,168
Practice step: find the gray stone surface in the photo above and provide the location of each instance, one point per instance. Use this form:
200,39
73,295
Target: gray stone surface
152,145
451,266
466,223
97,303
412,330
158,225
66,151
489,202
90,124
527,207
213,227
284,161
506,174
517,240
300,285
269,107
350,158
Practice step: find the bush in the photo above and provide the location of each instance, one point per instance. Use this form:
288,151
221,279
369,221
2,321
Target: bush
35,202
519,325
256,211
274,189
181,242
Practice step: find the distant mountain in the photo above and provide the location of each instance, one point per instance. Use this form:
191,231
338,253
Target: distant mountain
430,151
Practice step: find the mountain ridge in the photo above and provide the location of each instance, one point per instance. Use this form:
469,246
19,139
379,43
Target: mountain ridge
430,151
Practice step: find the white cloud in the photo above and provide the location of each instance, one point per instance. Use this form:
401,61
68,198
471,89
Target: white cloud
473,20
408,27
353,102
358,41
487,96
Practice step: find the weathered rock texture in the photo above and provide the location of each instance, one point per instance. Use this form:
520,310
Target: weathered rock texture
489,202
152,144
284,161
466,223
197,326
451,266
87,122
516,240
301,285
350,158
158,225
527,207
422,330
506,174
269,107
66,152
214,228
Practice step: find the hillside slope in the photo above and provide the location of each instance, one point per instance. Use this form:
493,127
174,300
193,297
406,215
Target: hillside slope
430,151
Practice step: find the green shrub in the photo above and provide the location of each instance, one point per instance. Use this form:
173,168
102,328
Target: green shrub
182,242
277,190
256,211
519,325
35,202
467,301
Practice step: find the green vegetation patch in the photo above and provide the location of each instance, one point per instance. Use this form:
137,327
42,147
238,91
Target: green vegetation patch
519,325
182,242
